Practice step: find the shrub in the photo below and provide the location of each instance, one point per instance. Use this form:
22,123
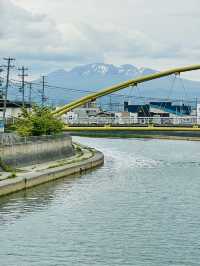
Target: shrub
39,121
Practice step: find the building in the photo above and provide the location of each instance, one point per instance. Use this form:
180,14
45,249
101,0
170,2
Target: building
161,113
154,112
164,109
82,115
13,108
126,118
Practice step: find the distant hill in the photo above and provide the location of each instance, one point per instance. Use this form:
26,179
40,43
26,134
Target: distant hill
93,77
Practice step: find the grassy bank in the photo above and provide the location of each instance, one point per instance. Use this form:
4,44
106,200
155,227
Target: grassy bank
138,136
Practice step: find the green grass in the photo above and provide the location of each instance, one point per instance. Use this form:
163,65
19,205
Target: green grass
5,167
112,135
77,158
12,175
138,136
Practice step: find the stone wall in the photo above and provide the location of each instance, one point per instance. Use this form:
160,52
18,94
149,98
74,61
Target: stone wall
37,150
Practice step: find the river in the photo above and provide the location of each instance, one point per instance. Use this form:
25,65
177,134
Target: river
141,208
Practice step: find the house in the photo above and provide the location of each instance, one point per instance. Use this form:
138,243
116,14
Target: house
126,118
13,108
82,115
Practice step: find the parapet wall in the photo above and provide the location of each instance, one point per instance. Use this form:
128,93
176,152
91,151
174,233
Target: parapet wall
36,150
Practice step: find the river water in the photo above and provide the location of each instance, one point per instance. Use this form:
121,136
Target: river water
141,208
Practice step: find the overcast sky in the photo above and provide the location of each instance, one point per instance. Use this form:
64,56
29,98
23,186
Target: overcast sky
51,34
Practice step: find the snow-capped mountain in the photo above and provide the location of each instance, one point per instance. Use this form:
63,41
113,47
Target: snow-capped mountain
101,69
82,79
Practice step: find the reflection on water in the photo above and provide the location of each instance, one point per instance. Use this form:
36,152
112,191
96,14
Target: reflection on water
35,199
141,208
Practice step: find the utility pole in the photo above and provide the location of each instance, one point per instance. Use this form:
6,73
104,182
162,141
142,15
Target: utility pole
1,101
30,94
23,75
110,103
43,90
9,60
1,90
1,83
197,110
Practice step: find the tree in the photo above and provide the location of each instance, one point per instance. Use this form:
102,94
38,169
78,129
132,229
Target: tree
39,121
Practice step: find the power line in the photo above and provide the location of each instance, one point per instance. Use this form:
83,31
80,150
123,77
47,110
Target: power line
9,60
23,75
113,94
44,83
1,84
30,94
58,87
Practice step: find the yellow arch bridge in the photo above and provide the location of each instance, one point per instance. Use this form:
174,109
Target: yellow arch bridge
130,83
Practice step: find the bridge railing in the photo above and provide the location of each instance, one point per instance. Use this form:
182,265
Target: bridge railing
183,120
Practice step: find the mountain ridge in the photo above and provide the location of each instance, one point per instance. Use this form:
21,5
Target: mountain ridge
80,80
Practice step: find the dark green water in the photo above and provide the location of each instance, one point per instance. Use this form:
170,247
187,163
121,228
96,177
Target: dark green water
141,208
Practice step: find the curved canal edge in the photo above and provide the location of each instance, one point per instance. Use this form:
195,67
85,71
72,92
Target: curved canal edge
85,159
148,133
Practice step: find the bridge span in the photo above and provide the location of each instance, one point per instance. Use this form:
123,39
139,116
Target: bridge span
130,83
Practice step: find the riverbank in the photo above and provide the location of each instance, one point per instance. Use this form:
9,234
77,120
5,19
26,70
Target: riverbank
168,135
84,159
141,208
17,151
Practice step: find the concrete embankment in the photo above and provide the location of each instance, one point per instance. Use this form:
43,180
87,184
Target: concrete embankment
34,175
34,150
139,133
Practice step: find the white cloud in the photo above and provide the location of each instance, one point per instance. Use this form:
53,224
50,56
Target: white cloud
64,33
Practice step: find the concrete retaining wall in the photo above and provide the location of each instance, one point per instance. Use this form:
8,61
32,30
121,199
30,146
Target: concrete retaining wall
33,179
138,133
37,151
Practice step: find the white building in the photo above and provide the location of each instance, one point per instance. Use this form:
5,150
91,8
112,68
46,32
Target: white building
13,109
82,115
126,118
198,114
182,120
70,118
